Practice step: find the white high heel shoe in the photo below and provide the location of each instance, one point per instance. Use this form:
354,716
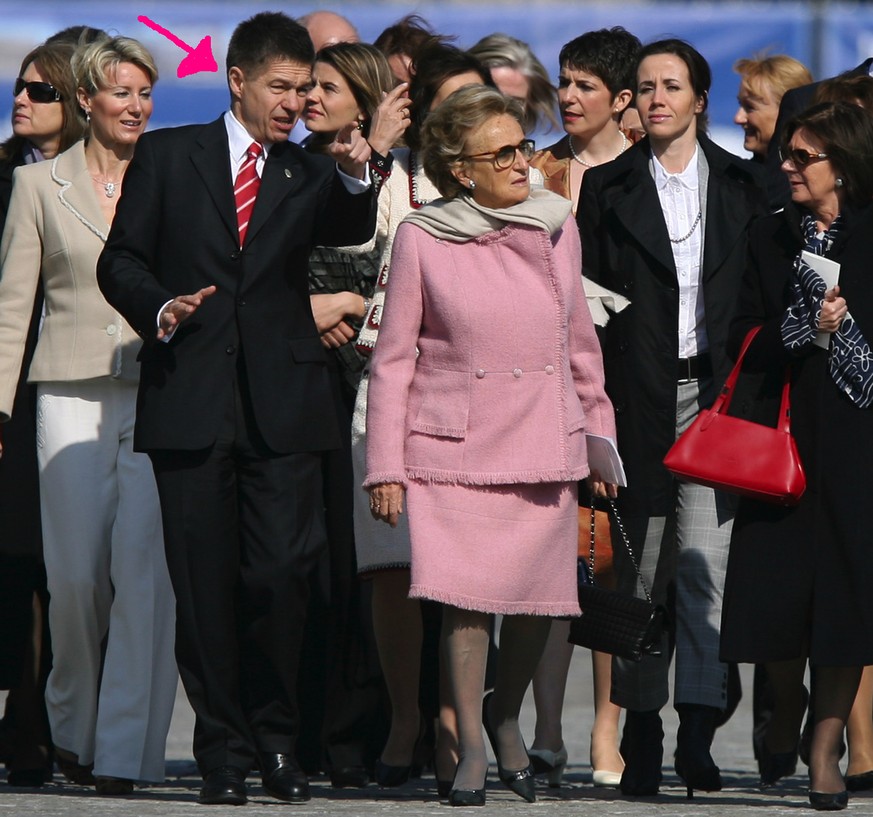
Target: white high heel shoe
602,778
545,761
605,779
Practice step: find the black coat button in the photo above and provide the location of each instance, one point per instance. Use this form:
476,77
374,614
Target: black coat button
231,349
235,255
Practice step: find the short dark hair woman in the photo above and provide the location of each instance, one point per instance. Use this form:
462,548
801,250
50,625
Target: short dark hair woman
803,574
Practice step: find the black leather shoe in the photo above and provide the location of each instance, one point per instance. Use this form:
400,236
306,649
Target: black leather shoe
349,777
113,786
282,778
224,786
74,771
826,801
693,761
642,747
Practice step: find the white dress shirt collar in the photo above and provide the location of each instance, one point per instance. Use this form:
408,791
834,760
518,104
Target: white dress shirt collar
688,178
239,140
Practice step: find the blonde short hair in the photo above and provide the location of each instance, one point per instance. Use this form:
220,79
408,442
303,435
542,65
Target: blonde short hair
93,64
779,72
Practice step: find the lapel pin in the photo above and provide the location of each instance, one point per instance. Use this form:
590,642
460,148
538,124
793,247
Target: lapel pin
287,173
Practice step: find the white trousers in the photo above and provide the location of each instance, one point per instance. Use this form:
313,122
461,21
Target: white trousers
107,576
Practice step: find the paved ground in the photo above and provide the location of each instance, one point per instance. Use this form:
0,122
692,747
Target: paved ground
577,798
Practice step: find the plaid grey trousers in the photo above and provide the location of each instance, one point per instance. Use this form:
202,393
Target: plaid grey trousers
683,558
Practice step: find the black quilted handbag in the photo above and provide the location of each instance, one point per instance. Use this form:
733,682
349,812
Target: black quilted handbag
612,622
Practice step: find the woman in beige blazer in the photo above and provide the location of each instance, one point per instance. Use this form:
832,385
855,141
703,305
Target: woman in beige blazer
107,576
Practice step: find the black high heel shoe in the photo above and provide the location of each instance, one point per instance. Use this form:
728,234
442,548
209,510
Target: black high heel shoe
521,782
860,782
773,766
463,797
827,801
390,777
693,761
444,788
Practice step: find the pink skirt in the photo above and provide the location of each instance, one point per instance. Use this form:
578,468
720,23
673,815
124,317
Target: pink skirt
507,549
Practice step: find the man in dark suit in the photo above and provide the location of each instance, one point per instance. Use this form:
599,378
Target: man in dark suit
234,401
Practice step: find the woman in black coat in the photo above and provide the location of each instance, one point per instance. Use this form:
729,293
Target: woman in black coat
665,224
804,575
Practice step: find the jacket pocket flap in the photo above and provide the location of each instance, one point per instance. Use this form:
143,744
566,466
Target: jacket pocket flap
439,431
444,402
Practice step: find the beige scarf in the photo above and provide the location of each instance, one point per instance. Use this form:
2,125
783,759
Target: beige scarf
462,219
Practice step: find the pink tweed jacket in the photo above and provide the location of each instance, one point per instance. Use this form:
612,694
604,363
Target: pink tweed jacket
508,376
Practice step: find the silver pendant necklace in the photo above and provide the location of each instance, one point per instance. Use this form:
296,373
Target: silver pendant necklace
581,161
688,234
109,187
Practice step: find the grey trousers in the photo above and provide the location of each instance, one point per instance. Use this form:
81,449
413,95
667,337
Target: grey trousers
683,557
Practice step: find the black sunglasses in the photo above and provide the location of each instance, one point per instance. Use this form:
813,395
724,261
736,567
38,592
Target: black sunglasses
800,157
505,156
37,91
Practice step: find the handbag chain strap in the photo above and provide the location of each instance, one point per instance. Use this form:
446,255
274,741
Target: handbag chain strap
627,546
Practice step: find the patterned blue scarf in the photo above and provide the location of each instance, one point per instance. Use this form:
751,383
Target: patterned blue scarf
850,359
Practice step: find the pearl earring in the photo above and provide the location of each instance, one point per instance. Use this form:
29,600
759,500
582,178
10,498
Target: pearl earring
839,182
472,185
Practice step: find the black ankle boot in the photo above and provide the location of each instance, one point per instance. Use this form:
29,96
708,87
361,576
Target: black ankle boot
643,751
694,763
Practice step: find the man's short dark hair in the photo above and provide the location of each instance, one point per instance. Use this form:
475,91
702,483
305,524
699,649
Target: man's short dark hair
265,37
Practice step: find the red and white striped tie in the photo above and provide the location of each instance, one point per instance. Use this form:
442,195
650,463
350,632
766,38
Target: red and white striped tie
245,190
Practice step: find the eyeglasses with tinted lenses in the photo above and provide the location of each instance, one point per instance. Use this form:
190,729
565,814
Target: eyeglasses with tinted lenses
800,157
37,91
504,157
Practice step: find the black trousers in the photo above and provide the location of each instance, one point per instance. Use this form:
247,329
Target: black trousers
243,527
344,709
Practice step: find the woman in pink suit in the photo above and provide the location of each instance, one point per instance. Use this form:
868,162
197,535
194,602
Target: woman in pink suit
485,380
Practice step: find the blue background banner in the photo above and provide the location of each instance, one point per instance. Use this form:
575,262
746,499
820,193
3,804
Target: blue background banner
828,42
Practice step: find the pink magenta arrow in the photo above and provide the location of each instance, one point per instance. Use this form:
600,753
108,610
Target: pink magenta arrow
199,58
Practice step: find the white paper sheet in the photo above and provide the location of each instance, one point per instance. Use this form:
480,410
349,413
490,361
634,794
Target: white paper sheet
603,458
830,273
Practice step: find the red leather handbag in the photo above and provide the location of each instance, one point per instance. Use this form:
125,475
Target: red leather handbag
739,456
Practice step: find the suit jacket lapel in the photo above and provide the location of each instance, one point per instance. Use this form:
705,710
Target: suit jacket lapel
77,193
210,158
282,175
639,209
726,214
